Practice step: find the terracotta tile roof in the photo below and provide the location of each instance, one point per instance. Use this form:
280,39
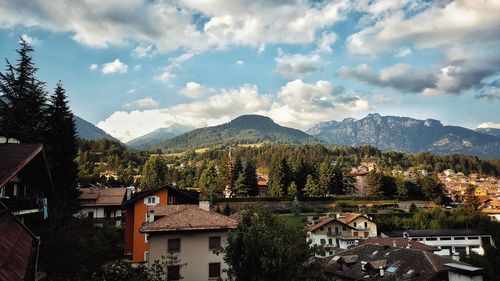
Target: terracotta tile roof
102,196
349,217
400,242
399,264
17,248
15,157
324,221
166,210
190,218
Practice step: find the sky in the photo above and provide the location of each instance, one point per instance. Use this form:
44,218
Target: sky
132,66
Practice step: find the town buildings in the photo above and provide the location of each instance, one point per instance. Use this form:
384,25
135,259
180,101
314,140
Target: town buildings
448,241
193,235
102,205
382,262
340,231
137,207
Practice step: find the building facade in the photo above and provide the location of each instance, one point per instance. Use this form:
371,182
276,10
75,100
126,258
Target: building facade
102,205
193,235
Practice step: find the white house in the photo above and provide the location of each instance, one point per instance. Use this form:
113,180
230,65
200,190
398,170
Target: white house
102,205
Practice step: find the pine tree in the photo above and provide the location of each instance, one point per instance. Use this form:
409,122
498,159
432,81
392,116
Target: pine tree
293,190
325,175
311,188
279,177
236,169
61,147
374,183
470,200
208,183
154,172
25,98
251,179
239,186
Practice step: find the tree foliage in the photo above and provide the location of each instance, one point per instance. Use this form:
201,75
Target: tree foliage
263,247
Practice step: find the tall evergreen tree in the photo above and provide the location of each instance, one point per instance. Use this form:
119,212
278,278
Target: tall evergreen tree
326,177
251,179
61,146
279,177
25,97
470,200
312,188
374,181
209,184
154,172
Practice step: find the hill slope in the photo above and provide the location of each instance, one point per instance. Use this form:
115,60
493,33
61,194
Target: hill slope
89,131
242,130
157,136
489,131
391,133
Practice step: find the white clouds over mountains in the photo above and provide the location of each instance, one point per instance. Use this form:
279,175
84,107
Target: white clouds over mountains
297,104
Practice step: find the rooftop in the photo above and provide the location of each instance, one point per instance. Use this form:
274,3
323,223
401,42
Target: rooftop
102,196
398,242
189,218
15,157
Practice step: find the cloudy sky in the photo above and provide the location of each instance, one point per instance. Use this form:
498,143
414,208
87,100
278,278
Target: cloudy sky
132,66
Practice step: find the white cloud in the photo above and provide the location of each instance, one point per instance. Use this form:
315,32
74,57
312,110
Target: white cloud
194,90
30,40
297,104
164,77
489,125
297,65
326,40
262,49
145,103
169,25
440,24
403,53
137,68
93,66
240,62
131,91
115,66
143,51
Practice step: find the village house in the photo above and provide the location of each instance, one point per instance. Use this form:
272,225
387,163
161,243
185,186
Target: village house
102,205
192,234
24,181
137,206
448,241
382,262
108,174
340,231
492,209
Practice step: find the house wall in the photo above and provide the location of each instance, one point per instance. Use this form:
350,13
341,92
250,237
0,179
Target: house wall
194,251
454,244
360,225
139,244
453,276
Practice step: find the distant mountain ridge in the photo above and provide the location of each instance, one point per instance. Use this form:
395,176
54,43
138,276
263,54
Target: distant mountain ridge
157,136
404,134
89,131
489,131
245,129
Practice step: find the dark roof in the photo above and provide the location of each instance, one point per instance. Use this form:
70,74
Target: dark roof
400,242
18,248
17,156
189,218
190,196
102,196
398,264
436,232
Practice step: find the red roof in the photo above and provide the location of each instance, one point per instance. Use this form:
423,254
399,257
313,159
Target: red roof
400,242
18,248
102,196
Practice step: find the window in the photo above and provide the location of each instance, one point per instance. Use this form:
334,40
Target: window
214,243
336,231
329,230
214,270
330,241
459,238
354,224
173,273
344,228
171,200
431,239
355,234
151,200
323,241
174,245
146,256
366,225
90,215
473,238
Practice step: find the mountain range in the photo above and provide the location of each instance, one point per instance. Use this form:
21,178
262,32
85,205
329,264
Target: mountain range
157,136
246,129
388,133
89,131
391,133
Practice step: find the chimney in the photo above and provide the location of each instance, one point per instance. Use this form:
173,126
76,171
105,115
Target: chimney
205,205
151,215
381,271
409,243
363,265
129,191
